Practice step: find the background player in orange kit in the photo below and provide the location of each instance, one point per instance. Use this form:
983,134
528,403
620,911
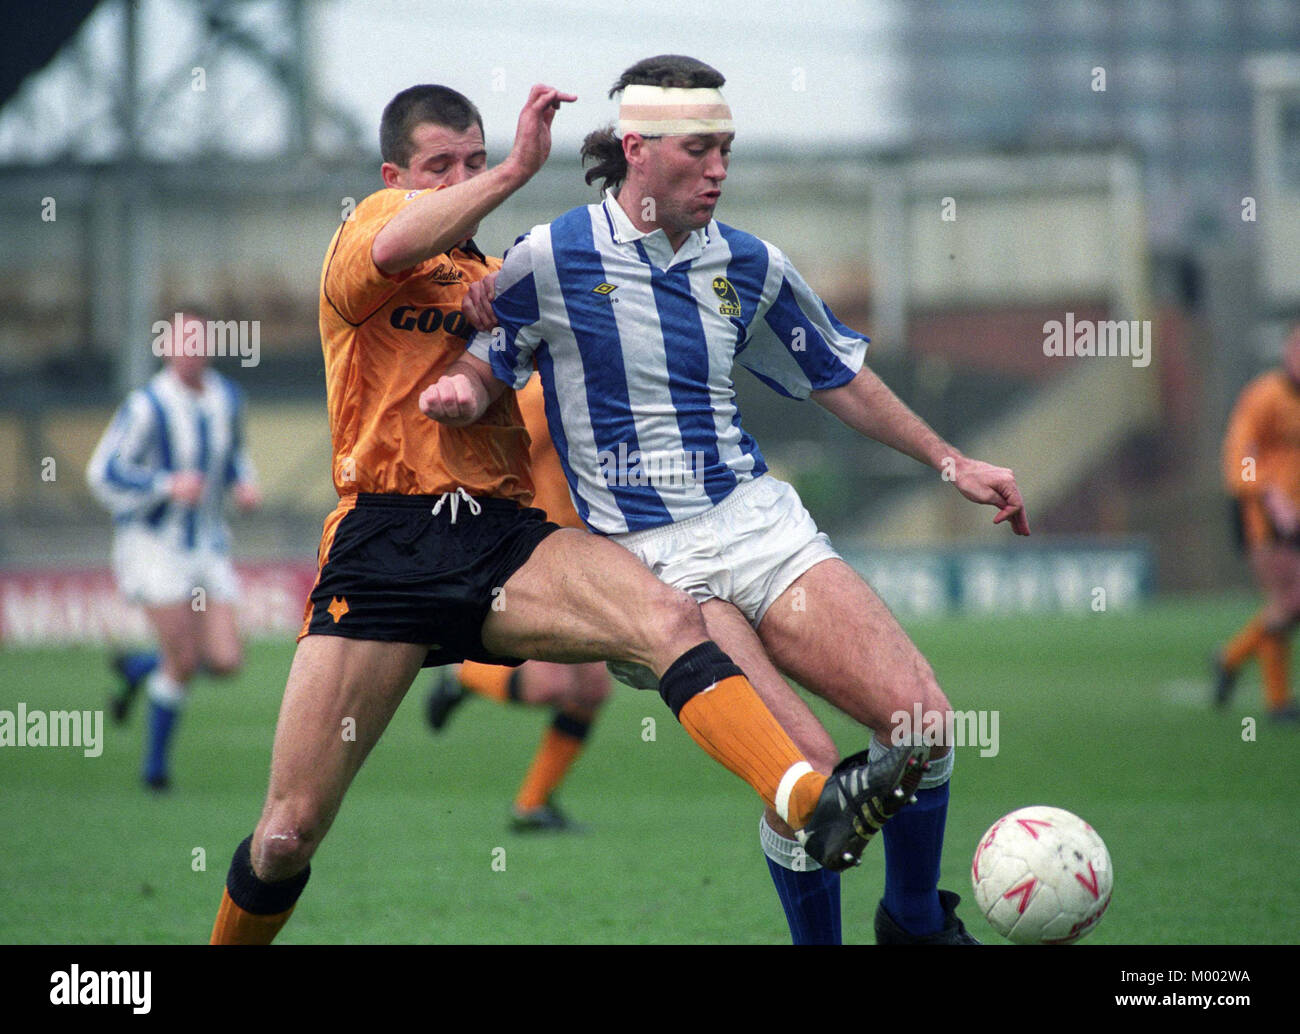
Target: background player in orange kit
575,691
1261,462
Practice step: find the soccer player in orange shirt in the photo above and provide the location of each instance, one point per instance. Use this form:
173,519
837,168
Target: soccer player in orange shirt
1261,463
434,556
575,691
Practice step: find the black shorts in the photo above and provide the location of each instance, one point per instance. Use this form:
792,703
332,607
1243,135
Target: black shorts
393,571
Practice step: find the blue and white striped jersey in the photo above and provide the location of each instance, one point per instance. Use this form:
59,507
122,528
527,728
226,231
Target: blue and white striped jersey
164,428
635,346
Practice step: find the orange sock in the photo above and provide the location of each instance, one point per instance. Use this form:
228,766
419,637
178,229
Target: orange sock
735,728
560,748
487,680
235,926
1275,659
1244,645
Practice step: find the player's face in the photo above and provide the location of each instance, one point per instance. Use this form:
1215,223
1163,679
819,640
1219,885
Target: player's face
189,368
440,157
684,175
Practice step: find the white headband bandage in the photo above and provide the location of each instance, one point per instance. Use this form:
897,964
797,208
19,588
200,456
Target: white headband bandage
672,111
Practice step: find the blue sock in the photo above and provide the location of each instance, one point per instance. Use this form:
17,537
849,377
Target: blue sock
913,848
811,901
137,666
162,722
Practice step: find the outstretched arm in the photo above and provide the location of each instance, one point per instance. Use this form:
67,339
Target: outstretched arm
442,218
868,406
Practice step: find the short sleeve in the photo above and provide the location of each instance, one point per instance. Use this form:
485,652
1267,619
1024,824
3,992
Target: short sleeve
352,283
797,346
124,473
510,345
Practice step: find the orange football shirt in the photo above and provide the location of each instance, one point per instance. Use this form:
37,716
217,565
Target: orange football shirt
548,476
387,338
1264,427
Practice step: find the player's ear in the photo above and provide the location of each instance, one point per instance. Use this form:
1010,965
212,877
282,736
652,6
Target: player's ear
633,149
391,174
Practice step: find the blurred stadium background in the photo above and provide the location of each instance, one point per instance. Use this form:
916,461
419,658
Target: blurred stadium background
949,175
198,151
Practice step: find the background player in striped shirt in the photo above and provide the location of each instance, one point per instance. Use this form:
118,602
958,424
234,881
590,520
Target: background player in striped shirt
1261,464
433,555
164,468
634,311
575,691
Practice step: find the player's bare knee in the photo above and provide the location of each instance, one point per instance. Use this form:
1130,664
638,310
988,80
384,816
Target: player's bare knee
593,693
282,849
223,663
674,618
181,665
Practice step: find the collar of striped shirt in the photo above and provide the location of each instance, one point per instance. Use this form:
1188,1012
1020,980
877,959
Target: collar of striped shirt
656,241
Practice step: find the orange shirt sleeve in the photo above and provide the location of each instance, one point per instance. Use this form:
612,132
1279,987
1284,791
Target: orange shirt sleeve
353,284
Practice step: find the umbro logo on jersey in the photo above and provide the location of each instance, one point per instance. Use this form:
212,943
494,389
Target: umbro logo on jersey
444,274
604,288
730,300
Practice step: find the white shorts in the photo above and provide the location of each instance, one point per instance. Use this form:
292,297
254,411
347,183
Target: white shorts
152,572
747,550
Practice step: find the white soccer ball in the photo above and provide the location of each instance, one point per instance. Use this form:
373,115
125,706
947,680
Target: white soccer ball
1042,876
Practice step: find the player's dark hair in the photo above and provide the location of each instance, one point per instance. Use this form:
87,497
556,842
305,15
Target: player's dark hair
415,106
604,148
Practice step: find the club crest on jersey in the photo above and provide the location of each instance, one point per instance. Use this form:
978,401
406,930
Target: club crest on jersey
604,288
730,300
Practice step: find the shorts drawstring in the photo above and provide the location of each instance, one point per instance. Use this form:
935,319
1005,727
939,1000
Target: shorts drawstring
455,498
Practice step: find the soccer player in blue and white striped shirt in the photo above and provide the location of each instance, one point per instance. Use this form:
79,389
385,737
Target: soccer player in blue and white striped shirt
164,469
635,311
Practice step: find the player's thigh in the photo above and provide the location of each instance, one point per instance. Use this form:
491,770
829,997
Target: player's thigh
339,698
834,636
729,628
180,636
1273,565
1288,563
223,652
580,597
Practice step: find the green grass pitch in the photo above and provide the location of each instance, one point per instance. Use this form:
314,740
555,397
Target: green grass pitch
1105,714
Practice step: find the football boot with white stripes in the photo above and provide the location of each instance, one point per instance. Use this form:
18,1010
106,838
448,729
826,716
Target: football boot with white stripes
858,799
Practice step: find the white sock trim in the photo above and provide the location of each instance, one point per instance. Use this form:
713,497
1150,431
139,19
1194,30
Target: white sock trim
786,787
789,854
940,771
166,691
